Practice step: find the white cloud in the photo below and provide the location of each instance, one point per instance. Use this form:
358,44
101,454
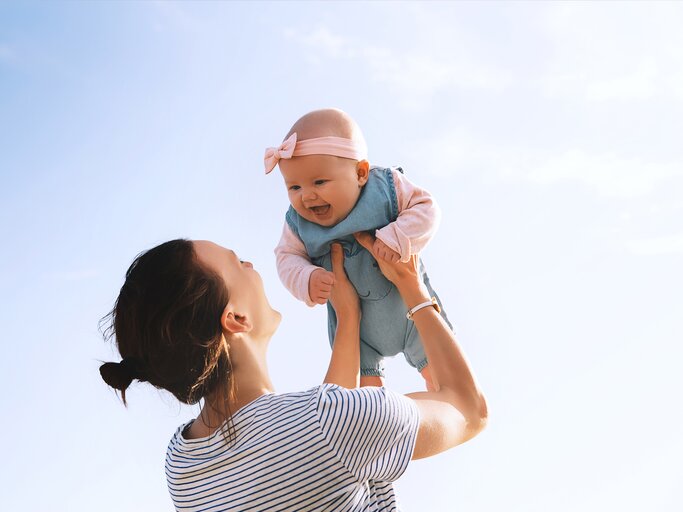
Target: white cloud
414,75
607,174
590,51
322,40
672,244
421,74
638,84
172,15
604,51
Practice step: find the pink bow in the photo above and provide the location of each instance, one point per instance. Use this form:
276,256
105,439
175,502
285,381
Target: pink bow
273,155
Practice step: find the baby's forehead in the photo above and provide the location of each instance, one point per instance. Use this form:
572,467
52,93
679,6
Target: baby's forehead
325,123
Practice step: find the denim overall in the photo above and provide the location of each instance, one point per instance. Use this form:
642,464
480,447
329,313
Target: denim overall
384,328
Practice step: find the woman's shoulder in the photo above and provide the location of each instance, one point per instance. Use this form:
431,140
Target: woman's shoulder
271,405
322,402
365,404
266,411
356,394
315,403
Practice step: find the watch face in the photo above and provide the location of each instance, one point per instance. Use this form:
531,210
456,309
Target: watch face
436,305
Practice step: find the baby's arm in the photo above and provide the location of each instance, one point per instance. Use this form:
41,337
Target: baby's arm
418,219
307,282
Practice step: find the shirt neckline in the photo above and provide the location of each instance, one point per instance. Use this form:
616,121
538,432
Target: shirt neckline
238,413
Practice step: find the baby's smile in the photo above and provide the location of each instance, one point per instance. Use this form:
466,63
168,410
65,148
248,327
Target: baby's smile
320,211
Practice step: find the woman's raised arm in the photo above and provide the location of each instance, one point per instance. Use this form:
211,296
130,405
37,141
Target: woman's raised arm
456,411
344,368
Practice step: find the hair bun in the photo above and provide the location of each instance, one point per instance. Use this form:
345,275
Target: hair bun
120,375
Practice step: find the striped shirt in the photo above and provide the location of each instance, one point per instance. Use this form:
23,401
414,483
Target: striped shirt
325,449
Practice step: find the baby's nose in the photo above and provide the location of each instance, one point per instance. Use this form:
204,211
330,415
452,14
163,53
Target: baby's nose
309,195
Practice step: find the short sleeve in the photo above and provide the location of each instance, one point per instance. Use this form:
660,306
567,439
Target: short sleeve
372,430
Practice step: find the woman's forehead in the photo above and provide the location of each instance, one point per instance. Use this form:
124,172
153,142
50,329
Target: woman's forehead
210,252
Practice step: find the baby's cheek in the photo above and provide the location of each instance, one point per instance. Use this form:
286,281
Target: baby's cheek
294,201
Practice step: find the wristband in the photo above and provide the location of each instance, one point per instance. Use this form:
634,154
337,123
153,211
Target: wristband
415,309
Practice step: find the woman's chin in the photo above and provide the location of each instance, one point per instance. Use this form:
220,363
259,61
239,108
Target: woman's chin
275,319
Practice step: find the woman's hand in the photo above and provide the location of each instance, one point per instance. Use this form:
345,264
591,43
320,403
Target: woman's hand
404,275
344,298
382,251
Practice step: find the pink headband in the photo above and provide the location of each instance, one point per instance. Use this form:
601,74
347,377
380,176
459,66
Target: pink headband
335,146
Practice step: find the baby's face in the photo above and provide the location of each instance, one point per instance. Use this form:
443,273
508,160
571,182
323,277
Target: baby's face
322,189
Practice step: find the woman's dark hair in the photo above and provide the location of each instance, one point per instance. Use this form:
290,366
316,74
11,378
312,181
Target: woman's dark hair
166,323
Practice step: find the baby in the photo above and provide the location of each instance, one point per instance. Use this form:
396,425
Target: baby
334,193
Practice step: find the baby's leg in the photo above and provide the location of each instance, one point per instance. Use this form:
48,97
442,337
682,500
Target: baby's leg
426,376
415,355
371,380
371,366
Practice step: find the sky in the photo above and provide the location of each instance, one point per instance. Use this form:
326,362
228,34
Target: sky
549,134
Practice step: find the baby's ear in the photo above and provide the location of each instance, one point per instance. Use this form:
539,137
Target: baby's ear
362,171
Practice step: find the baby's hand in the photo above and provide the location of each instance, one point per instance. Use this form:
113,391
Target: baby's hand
320,285
382,251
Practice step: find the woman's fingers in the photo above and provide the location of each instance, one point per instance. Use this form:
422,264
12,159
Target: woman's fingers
365,239
343,295
338,260
400,273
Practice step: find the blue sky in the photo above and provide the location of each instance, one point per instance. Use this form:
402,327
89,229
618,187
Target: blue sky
548,132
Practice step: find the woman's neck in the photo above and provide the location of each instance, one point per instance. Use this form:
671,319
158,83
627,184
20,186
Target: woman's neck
249,371
250,380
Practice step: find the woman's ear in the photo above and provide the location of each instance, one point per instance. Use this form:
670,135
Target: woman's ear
234,322
362,171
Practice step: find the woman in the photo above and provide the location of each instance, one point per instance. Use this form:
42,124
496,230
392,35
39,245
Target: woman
192,318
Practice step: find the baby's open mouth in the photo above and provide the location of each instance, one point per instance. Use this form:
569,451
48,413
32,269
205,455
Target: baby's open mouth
320,210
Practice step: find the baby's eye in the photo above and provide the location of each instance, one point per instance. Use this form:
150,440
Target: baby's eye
320,182
294,187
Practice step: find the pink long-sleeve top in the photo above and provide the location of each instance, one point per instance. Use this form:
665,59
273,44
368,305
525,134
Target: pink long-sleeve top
417,221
